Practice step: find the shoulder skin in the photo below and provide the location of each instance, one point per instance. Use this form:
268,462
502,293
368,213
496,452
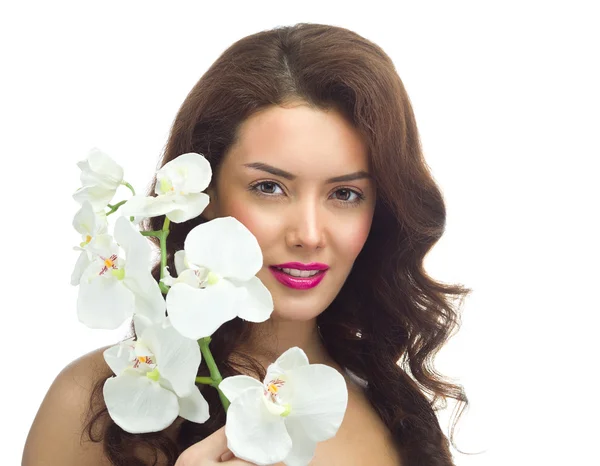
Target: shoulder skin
56,436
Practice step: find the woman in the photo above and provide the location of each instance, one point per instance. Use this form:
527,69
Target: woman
314,147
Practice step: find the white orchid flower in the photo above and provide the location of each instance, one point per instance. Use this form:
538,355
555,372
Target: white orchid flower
89,224
179,187
155,379
283,418
100,178
222,285
186,272
118,284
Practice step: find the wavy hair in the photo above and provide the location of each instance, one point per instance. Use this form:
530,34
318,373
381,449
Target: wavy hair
390,318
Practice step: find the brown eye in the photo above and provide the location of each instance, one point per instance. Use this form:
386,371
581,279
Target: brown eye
343,194
268,187
348,197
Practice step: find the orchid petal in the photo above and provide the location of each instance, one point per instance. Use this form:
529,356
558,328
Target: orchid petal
118,357
319,400
149,300
178,357
233,386
137,248
100,170
181,263
194,407
104,302
194,205
303,448
238,254
97,196
138,404
82,263
102,245
254,434
290,359
139,205
88,222
190,173
141,323
188,277
257,303
198,313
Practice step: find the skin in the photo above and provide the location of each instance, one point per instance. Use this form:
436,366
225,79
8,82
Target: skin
304,219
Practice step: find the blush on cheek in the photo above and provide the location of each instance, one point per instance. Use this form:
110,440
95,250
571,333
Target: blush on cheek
355,238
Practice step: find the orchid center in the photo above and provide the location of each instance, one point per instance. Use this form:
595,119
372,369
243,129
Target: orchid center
110,264
212,278
119,274
153,374
166,185
88,238
273,398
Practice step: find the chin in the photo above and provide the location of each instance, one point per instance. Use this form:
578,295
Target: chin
301,308
293,314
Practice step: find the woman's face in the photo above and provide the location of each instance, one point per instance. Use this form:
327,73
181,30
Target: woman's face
298,179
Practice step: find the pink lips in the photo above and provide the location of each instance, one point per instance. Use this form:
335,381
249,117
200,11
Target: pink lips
299,283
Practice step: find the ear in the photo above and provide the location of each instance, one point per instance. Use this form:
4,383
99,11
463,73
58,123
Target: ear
211,209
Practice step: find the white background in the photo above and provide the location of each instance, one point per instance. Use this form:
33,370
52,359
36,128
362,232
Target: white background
507,102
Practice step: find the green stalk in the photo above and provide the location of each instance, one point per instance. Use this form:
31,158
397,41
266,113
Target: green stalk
124,183
114,208
163,253
205,380
215,375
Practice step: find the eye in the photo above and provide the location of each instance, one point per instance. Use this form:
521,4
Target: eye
267,188
344,194
348,196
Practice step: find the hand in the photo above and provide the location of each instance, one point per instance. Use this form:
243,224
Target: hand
212,450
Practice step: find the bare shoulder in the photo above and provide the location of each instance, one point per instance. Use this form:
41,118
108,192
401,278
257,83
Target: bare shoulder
363,438
56,435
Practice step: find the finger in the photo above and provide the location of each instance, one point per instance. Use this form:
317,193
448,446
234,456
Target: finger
227,456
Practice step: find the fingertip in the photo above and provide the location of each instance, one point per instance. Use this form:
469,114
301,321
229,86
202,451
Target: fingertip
226,456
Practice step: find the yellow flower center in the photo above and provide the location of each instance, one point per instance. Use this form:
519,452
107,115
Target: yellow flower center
166,185
212,278
153,374
119,274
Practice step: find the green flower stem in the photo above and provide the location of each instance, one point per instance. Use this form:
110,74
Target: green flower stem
162,236
205,380
163,253
158,233
114,208
215,375
124,183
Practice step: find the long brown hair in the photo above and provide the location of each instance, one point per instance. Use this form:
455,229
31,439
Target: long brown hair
390,318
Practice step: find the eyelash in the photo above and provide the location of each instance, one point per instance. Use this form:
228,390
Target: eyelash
254,188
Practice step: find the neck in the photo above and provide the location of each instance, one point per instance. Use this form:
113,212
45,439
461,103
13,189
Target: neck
273,337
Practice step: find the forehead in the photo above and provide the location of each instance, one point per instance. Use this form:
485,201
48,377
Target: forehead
302,140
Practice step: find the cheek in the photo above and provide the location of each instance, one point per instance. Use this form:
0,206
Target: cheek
261,222
352,238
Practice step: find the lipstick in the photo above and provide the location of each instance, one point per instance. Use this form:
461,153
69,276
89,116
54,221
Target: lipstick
299,283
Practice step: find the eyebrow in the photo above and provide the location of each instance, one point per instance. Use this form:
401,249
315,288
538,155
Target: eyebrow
289,176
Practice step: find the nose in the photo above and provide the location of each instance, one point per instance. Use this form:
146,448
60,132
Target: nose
306,227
